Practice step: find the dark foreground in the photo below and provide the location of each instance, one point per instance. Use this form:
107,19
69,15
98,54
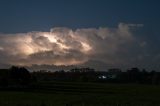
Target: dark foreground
82,94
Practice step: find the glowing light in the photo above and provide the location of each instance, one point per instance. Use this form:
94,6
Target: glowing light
54,39
102,77
28,50
71,62
86,47
51,37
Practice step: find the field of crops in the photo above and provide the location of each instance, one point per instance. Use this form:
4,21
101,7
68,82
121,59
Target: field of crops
82,94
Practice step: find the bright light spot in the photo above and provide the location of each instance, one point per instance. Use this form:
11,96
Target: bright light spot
52,38
28,50
102,77
86,47
63,46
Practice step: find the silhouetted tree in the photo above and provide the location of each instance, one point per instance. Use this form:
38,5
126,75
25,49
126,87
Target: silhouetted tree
155,77
133,75
20,75
4,76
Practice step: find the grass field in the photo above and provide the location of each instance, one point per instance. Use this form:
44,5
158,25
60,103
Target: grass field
83,94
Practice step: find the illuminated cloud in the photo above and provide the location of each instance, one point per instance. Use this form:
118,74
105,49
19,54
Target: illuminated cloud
64,46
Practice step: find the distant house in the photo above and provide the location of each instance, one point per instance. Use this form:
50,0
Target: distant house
102,77
110,74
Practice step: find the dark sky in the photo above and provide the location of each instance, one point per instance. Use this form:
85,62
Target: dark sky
41,15
138,22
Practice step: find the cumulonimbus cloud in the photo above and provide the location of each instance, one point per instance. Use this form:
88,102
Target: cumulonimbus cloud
64,46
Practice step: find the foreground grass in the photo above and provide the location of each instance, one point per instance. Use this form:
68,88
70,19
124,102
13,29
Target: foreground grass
83,94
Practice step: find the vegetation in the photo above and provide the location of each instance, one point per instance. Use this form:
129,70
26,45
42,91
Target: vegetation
79,87
133,75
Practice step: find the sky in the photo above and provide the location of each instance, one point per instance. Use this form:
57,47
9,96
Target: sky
65,32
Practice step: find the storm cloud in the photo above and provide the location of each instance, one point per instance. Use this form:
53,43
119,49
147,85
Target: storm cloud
64,46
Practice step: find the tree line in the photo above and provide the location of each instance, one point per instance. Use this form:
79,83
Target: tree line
21,77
